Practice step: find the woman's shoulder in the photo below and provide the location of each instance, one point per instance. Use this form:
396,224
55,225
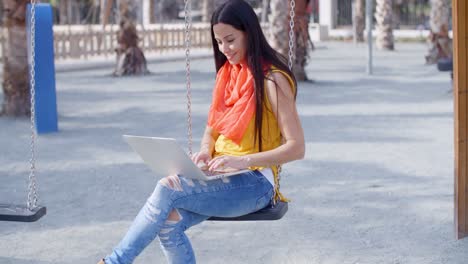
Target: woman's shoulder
278,77
278,83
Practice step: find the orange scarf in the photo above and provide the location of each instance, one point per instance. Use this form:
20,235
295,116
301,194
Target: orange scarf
233,103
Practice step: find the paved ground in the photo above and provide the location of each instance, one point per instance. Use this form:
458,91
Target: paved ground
376,185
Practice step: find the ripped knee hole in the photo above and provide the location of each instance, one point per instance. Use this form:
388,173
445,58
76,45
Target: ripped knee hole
172,182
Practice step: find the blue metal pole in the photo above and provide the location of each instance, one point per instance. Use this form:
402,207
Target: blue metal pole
45,96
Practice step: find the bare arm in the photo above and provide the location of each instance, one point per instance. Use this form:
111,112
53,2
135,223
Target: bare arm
206,147
283,105
208,140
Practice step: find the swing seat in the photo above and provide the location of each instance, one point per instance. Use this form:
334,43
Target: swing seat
268,213
20,213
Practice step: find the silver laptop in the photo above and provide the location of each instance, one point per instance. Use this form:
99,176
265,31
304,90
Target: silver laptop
164,156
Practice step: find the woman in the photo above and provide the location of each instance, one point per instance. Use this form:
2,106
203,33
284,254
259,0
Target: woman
254,95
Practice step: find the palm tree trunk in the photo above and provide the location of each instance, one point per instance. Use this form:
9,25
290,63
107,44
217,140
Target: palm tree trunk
279,32
265,4
16,96
359,20
208,9
279,26
105,11
384,27
152,10
303,43
130,58
440,44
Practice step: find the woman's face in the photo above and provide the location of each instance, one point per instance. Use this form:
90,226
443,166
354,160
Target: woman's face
231,42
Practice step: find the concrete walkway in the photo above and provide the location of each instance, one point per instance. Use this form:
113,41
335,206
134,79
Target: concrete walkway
376,185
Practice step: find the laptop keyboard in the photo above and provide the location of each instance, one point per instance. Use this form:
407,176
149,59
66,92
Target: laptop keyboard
210,173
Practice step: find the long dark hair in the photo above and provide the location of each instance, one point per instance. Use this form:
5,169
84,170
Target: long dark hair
240,15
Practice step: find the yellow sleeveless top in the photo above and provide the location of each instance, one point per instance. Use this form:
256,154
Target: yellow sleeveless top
271,137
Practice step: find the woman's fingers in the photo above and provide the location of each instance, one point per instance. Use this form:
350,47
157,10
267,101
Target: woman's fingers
204,157
200,157
222,163
195,157
216,163
213,160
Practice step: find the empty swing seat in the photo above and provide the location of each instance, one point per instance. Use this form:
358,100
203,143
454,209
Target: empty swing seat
445,64
268,213
20,213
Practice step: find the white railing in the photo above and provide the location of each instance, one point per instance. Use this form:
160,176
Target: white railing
84,41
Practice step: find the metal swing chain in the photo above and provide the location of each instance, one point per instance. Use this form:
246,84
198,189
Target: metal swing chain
32,188
188,24
292,14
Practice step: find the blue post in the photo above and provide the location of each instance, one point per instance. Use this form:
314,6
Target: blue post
45,97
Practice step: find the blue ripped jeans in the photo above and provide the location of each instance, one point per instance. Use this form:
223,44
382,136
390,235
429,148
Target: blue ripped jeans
194,201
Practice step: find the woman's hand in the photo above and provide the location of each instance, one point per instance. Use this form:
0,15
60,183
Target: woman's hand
228,162
204,156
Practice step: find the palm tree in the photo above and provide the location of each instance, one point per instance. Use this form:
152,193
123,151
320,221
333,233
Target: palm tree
130,58
265,5
279,32
207,9
384,27
358,20
16,96
440,43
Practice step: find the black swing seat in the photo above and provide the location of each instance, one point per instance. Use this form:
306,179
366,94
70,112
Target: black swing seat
268,213
20,213
445,64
